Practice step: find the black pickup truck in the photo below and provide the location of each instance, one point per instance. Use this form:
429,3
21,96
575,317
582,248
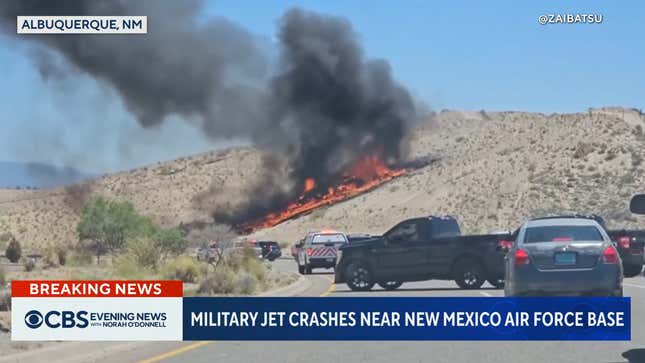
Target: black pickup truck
422,249
630,243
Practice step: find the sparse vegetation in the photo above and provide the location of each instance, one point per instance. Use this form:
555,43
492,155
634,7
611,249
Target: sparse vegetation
125,266
111,226
611,155
29,264
61,253
171,242
3,277
80,257
221,281
184,268
239,273
5,301
13,251
583,149
145,252
105,225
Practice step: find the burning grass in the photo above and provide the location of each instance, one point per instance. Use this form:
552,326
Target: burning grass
365,175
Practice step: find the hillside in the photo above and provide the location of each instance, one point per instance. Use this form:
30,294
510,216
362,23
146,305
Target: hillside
496,169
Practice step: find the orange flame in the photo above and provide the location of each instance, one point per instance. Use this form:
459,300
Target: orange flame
310,184
362,176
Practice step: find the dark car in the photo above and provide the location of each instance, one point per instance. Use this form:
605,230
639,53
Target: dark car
563,256
421,249
629,242
270,250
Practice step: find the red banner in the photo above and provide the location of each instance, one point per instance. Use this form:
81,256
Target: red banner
96,288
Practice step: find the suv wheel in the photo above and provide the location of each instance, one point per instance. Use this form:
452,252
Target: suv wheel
359,277
390,285
469,274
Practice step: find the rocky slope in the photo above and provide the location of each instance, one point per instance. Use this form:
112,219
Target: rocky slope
496,169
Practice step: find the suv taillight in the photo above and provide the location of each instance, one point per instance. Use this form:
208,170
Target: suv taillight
310,251
521,257
610,255
624,242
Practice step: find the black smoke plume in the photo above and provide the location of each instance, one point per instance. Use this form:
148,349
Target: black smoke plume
324,106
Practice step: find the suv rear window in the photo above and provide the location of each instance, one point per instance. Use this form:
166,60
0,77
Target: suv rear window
562,234
329,238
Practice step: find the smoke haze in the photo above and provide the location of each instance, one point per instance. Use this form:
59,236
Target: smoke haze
323,108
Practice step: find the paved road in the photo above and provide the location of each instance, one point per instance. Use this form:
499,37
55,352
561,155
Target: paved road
324,352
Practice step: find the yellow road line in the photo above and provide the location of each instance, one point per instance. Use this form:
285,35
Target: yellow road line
196,345
331,289
174,352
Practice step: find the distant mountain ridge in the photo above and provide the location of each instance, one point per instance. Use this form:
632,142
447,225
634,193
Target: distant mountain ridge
29,174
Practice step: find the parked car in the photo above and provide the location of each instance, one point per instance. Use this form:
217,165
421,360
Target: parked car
630,243
270,250
421,249
318,249
563,256
249,243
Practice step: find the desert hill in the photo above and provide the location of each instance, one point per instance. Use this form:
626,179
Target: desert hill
495,169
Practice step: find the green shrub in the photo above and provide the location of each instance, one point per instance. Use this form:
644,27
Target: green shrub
221,281
4,237
239,273
5,301
14,251
29,264
61,254
144,252
170,241
50,259
245,283
80,258
106,225
257,269
126,266
184,268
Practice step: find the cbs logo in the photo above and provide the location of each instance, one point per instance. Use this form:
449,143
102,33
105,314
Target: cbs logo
57,319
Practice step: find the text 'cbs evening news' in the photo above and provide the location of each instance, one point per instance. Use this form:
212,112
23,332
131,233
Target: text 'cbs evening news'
156,310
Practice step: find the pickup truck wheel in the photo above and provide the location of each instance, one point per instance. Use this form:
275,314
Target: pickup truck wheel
301,269
358,277
497,283
390,285
631,270
469,274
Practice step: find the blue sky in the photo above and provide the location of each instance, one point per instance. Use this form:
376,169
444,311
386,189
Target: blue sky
490,54
452,54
